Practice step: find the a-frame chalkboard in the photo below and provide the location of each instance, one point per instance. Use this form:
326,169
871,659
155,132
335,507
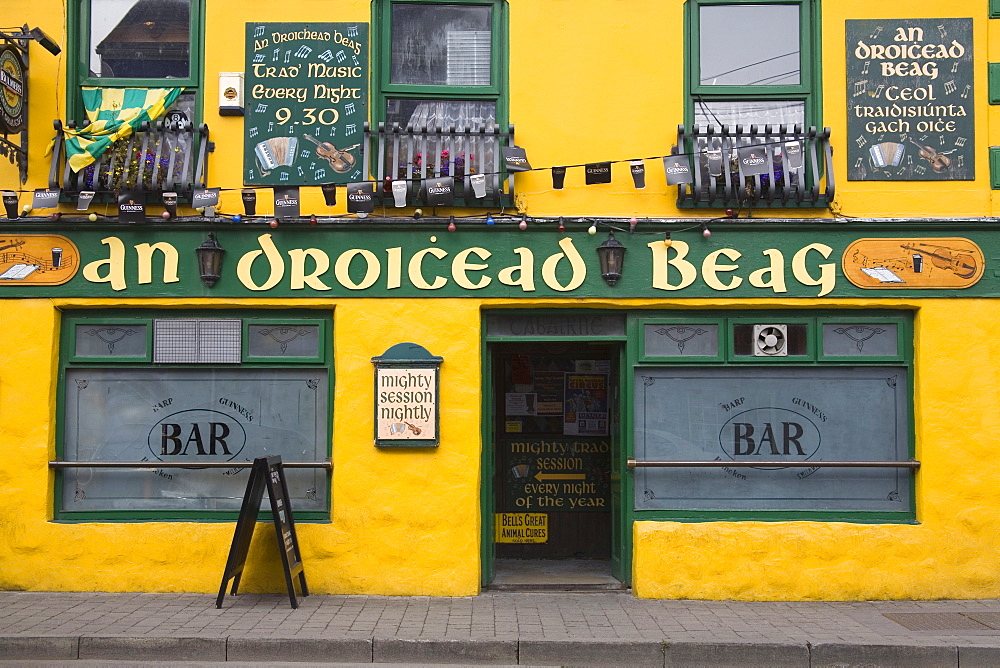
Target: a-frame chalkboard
266,473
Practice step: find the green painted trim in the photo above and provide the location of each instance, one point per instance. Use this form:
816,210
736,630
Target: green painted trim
77,61
994,11
110,359
69,318
638,334
993,81
318,358
995,167
382,87
903,327
487,468
773,516
905,322
621,552
810,49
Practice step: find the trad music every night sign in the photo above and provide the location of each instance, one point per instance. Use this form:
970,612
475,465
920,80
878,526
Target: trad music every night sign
307,99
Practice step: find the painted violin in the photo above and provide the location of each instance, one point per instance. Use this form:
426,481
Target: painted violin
939,161
340,159
963,266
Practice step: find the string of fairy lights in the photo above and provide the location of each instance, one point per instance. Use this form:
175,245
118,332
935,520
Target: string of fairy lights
521,220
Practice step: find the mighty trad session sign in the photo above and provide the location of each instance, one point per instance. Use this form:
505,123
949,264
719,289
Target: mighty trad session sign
910,100
306,102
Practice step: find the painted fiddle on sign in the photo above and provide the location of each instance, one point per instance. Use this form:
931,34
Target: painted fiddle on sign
340,159
940,162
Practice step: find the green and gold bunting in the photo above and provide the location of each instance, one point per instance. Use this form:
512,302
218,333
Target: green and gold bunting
114,113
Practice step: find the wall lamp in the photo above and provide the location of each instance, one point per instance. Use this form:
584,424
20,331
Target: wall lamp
210,260
611,253
36,34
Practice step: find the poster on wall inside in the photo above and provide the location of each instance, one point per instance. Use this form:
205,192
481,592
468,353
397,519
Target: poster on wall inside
586,405
549,386
910,96
306,103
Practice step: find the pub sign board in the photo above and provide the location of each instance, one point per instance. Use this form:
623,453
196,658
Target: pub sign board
13,90
406,397
910,95
306,102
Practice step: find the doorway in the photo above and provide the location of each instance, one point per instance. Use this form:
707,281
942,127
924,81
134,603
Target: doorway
554,452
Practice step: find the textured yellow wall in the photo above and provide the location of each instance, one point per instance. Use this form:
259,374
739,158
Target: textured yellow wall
589,81
409,522
403,522
951,553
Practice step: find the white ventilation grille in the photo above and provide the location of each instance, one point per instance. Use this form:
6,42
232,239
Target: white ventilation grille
190,341
468,58
770,340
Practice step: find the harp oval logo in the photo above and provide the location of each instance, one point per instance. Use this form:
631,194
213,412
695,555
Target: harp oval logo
11,90
197,432
770,434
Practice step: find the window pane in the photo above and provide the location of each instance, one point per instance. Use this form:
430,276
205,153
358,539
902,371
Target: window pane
749,112
749,45
283,341
110,340
668,340
191,415
788,414
859,340
744,342
440,113
192,341
132,39
406,158
441,45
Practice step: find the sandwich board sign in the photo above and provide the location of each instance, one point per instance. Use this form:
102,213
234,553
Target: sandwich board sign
266,473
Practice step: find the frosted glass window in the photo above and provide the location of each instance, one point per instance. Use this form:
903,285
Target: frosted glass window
110,340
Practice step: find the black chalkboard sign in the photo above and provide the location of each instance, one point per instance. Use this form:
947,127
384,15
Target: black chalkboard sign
911,100
267,473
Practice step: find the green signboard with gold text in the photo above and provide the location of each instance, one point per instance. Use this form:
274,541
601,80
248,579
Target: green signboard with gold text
306,102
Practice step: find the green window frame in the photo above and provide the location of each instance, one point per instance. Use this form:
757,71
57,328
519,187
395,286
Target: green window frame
384,90
265,371
807,90
79,15
896,353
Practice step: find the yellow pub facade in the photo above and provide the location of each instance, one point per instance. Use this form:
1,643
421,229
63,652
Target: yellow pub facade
667,289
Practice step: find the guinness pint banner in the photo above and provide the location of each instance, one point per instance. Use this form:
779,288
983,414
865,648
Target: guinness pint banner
132,207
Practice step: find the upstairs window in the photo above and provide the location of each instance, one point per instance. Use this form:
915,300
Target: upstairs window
441,64
752,63
137,44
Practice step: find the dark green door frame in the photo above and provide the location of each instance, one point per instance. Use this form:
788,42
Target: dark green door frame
621,531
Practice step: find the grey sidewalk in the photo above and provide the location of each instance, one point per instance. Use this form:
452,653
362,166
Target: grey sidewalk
610,628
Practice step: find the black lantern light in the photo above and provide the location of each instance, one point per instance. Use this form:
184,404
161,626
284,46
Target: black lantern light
210,260
612,256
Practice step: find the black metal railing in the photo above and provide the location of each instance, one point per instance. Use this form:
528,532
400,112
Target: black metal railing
415,154
159,157
799,167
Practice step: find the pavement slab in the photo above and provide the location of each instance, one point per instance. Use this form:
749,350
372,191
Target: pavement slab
495,628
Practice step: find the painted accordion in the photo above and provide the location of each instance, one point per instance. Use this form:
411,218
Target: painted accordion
276,152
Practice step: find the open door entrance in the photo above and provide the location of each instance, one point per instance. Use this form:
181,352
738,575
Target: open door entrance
555,448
